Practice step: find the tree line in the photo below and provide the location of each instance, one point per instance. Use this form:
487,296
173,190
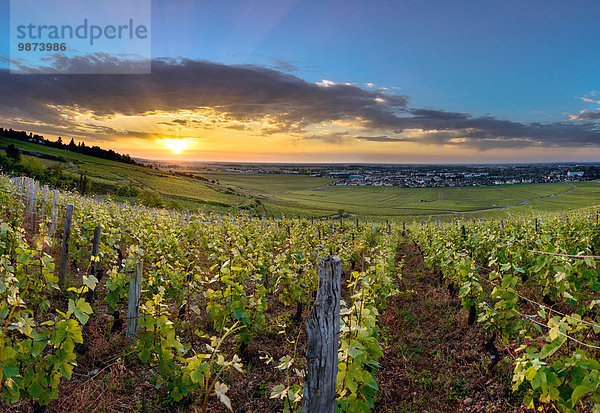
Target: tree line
82,148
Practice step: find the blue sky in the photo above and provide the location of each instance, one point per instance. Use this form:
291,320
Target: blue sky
520,61
524,60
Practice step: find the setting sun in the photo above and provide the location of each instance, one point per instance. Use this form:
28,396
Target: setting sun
177,145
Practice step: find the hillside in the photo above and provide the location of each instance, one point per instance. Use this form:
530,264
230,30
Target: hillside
305,196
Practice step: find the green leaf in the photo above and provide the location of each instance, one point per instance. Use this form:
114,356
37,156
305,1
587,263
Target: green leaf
81,309
9,372
90,282
550,348
35,390
579,392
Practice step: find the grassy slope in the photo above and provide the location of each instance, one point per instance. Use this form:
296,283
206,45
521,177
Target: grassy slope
111,175
301,195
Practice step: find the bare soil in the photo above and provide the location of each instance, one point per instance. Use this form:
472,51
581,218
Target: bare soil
433,360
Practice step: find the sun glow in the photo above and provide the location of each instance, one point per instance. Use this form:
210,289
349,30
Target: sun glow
177,145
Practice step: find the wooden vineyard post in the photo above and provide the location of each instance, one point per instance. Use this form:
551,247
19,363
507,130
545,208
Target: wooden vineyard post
64,251
54,212
502,223
133,306
43,214
323,327
32,203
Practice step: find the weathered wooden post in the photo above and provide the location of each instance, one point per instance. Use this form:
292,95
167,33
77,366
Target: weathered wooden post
54,212
133,307
464,232
262,225
502,223
90,294
323,327
44,195
64,251
536,227
32,203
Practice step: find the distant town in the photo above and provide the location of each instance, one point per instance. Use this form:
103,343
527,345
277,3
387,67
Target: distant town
413,176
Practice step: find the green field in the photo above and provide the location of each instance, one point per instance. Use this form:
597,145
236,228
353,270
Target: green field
302,195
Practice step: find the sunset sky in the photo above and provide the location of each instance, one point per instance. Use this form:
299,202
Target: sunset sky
334,81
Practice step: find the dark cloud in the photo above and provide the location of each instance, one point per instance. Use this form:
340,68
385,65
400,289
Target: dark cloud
282,102
586,115
378,139
285,66
238,126
238,92
330,137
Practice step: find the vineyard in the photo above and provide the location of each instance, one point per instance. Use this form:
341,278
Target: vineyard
220,304
534,285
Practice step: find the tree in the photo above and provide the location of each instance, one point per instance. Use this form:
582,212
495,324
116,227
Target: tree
150,198
123,190
13,153
134,190
84,184
341,215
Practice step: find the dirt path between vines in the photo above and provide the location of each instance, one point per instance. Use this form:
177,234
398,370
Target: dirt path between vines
433,361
